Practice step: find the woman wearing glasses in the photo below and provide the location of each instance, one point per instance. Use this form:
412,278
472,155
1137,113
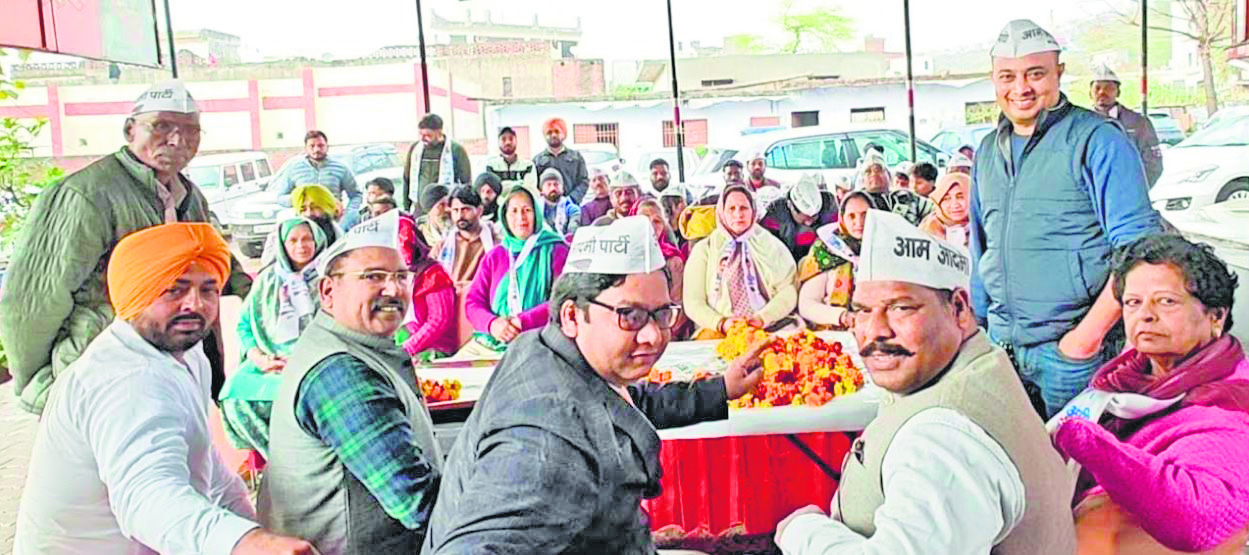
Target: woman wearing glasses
431,331
509,294
280,305
740,273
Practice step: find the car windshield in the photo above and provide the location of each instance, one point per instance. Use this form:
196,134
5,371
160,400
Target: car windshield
1224,132
205,176
596,156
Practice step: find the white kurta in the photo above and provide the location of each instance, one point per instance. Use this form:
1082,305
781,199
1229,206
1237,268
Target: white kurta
124,461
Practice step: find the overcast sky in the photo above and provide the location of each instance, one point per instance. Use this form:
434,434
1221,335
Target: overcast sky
612,30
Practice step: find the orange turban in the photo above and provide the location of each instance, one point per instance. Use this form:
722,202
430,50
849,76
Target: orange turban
145,263
555,123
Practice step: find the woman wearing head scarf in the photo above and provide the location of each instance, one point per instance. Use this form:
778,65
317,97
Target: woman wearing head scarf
740,273
949,221
509,294
431,332
827,273
674,258
1162,433
281,303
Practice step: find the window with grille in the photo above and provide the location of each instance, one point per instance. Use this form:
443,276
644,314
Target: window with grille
866,115
585,133
695,133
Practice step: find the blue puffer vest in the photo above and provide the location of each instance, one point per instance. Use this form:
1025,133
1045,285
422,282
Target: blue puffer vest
1046,256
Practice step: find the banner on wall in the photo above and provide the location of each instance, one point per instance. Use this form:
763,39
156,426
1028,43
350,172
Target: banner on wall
112,30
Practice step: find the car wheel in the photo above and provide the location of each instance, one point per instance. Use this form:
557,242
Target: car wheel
1236,190
252,250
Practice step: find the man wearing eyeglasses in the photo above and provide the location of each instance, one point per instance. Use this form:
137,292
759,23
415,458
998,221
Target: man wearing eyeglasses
54,300
561,448
353,464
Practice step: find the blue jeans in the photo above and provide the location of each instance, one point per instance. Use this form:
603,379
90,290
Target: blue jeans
1059,377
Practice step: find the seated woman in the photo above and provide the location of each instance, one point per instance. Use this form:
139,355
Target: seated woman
1162,432
827,273
282,301
949,220
431,332
316,203
509,294
673,257
740,273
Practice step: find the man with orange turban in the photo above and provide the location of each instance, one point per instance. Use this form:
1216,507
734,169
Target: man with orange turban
569,162
124,460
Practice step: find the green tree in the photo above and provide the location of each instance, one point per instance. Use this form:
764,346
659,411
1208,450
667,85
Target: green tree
825,25
1206,22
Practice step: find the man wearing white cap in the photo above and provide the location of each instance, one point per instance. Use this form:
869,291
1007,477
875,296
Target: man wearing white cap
55,301
561,448
959,164
1056,189
956,460
353,465
1104,88
902,175
757,166
794,219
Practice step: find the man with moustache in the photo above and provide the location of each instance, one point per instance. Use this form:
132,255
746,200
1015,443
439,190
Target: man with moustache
956,460
562,214
488,187
561,447
757,166
508,166
596,207
55,300
732,172
315,166
1105,92
433,159
354,467
124,461
569,162
1056,189
661,180
461,249
625,192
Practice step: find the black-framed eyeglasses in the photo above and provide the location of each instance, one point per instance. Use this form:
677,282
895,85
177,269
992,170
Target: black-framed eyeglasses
633,318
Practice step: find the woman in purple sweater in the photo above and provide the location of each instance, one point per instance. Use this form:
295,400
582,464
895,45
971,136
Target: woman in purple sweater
1162,434
509,294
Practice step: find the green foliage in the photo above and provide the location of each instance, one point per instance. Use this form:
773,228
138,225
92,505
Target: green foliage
746,44
824,24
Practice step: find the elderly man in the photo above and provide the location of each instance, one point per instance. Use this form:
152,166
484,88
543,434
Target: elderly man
874,179
124,461
569,162
1056,189
488,187
435,219
561,447
795,218
354,464
1105,92
433,159
956,461
595,208
902,175
316,167
757,166
55,301
625,192
561,214
508,166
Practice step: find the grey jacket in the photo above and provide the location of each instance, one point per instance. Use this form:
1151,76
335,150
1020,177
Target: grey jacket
553,460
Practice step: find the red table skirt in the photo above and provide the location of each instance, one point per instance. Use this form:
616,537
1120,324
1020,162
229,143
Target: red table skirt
729,486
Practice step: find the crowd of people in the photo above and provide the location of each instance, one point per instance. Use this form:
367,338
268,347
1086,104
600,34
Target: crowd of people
1058,370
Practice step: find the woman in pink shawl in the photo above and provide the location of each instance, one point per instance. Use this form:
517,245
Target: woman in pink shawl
1162,433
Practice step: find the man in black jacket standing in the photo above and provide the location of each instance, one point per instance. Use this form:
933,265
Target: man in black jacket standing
1105,92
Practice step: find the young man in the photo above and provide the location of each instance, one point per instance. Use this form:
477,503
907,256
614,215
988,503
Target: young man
1030,219
795,218
561,447
124,461
732,173
433,159
569,162
461,248
316,167
562,214
757,166
354,466
956,461
508,166
924,178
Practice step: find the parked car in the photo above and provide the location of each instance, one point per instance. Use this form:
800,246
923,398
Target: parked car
227,179
1169,132
829,151
602,156
950,139
369,161
694,164
1210,166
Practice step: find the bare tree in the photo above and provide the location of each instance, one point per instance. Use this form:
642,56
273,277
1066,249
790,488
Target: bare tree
1206,22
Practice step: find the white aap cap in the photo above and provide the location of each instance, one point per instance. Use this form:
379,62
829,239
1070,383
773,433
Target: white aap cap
959,161
903,167
169,96
1104,73
895,250
843,182
1022,37
806,195
626,246
382,231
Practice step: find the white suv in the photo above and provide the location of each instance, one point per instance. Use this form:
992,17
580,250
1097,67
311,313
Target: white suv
1210,166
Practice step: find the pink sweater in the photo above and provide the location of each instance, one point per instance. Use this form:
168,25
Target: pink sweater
1185,476
493,267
